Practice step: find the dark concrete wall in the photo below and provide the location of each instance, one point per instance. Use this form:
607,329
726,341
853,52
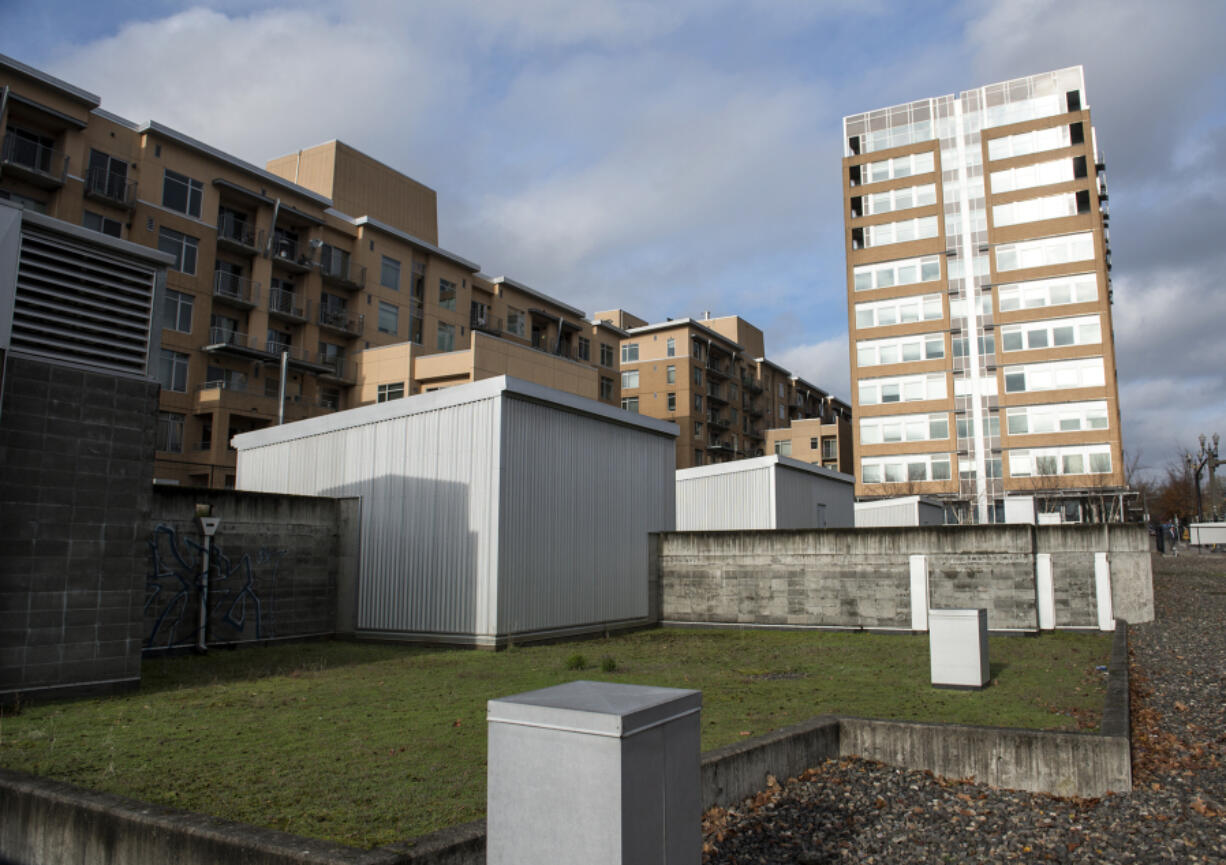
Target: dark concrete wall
276,566
860,578
76,465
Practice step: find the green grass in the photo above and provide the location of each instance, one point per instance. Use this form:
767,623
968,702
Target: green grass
368,744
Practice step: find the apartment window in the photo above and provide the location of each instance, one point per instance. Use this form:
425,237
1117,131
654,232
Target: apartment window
905,271
910,388
1063,417
698,402
606,387
606,354
392,391
1045,251
900,350
900,166
330,398
1035,209
389,274
813,443
630,352
900,199
446,337
517,325
223,328
670,374
783,412
172,370
584,348
697,429
1059,290
1053,333
103,224
446,294
1026,143
1083,372
905,468
783,448
182,193
630,403
904,310
1026,177
672,402
697,457
389,318
183,247
170,432
830,449
900,428
671,347
780,390
698,377
1091,459
177,311
630,378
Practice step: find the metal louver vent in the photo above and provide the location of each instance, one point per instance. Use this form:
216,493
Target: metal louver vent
82,304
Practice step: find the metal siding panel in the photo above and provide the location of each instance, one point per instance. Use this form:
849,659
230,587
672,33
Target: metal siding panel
579,496
732,500
430,494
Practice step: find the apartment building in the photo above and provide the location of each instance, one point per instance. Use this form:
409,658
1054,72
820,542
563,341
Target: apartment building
711,377
308,286
979,300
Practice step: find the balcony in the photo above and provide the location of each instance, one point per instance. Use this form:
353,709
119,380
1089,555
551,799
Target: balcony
110,187
287,305
235,290
719,369
340,321
486,323
752,385
223,340
713,395
237,235
285,253
718,422
718,446
336,369
35,163
340,271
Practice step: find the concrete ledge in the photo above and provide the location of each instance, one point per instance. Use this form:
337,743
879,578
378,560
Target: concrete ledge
735,771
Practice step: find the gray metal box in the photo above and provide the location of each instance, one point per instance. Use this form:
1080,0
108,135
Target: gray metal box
594,772
958,648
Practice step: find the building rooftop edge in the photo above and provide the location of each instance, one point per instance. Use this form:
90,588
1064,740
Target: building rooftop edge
417,241
70,90
497,280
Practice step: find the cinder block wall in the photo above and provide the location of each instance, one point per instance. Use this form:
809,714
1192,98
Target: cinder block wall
76,467
280,566
860,578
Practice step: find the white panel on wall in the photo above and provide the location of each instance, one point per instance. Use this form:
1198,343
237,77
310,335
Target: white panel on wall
1045,590
1102,590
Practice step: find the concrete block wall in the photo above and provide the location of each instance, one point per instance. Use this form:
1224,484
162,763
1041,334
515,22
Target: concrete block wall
280,566
860,578
76,467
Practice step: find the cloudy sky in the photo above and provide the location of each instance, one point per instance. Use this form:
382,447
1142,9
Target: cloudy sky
675,157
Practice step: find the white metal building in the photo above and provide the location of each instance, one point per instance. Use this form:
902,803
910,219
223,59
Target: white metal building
763,493
901,511
492,510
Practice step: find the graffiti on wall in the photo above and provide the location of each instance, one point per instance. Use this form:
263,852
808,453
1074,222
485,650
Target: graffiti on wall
242,591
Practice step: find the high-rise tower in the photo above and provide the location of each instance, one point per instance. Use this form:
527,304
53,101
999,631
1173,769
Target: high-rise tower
979,300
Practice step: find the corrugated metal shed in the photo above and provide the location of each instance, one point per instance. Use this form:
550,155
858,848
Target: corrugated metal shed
763,493
490,510
901,511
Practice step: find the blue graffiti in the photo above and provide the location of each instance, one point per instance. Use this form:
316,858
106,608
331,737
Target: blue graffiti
241,607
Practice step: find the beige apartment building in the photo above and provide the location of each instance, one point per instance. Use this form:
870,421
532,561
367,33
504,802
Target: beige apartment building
325,262
711,377
979,301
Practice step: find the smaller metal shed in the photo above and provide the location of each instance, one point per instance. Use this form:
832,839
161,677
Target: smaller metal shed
495,510
901,511
763,493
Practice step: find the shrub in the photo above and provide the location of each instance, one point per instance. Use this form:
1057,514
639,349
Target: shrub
576,662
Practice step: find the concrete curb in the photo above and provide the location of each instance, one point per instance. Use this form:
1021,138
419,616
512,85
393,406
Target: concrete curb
49,822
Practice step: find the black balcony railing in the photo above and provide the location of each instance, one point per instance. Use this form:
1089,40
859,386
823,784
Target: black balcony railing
110,186
233,230
286,303
340,270
236,289
42,164
340,320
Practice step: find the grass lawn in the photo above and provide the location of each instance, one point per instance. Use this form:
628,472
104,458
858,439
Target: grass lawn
368,744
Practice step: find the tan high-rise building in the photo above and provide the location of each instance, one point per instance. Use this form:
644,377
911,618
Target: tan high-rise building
710,377
979,300
326,258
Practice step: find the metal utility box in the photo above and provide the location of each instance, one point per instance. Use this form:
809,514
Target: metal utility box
764,493
595,772
958,648
490,511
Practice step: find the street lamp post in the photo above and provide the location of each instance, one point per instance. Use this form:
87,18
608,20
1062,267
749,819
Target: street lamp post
1208,456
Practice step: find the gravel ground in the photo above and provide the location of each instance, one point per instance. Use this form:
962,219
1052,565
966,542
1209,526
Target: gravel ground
865,812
